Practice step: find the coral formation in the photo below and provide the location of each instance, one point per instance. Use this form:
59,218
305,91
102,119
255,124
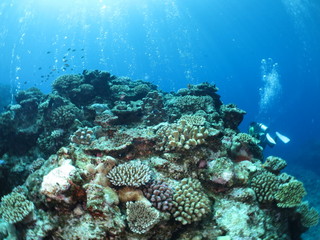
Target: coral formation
186,134
290,194
309,216
130,174
160,194
141,217
190,203
265,185
104,157
15,207
274,164
82,136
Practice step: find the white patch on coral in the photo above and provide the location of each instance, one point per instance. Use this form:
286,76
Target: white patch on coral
57,182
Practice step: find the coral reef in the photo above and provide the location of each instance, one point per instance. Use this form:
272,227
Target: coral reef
104,157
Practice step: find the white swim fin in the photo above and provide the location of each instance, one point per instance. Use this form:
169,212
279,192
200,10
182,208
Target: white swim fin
283,138
270,139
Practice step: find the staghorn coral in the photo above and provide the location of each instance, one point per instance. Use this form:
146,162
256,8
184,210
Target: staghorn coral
190,203
160,194
265,184
141,216
290,194
15,207
132,174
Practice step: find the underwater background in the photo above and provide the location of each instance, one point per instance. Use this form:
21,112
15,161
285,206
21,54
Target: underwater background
264,56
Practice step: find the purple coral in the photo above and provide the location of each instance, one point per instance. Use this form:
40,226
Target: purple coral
160,195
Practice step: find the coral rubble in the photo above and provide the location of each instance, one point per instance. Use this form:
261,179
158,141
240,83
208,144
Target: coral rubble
105,158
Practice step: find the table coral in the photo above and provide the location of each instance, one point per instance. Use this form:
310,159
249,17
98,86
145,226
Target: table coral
130,174
141,217
290,194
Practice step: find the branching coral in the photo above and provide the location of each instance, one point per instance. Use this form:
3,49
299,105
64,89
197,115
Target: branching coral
15,207
181,135
309,216
130,174
141,217
265,185
290,194
274,164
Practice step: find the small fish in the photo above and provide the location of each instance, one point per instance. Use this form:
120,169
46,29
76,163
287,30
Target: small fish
69,49
82,56
42,76
53,70
67,65
39,68
48,52
25,82
73,50
64,60
82,49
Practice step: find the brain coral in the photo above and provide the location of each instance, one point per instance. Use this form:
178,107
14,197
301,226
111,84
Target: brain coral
15,207
190,203
132,174
141,217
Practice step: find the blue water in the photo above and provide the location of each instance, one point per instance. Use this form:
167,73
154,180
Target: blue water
173,43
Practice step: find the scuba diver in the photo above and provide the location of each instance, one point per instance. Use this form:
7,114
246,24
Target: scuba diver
262,133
